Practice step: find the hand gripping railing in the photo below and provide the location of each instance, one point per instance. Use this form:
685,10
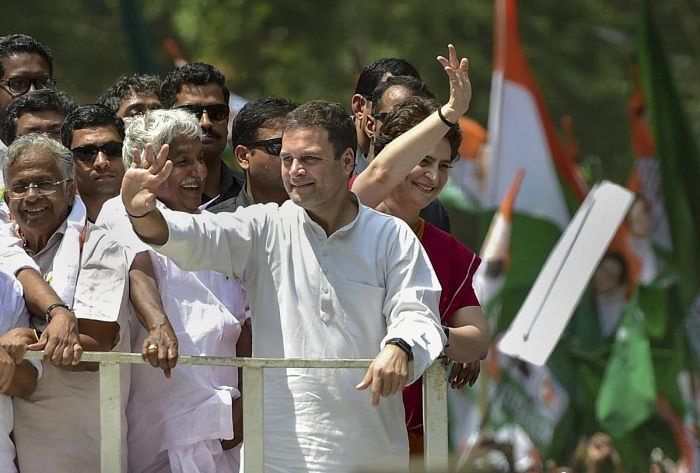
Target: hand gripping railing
434,403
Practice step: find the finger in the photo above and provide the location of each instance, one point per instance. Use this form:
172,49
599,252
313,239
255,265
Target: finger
443,61
453,55
163,174
6,374
172,356
162,157
136,163
167,373
49,348
163,357
366,381
147,157
40,344
57,354
67,355
77,353
376,389
464,65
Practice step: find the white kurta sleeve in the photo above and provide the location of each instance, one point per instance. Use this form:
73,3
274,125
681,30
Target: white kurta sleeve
12,255
219,242
411,303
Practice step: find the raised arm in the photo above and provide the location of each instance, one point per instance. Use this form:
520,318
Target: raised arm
397,159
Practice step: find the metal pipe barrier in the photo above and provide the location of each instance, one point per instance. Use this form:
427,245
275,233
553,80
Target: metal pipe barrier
434,402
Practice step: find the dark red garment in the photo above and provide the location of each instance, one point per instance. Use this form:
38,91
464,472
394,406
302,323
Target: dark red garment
455,265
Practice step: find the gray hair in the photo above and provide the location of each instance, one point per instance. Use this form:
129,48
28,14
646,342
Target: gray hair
27,143
158,127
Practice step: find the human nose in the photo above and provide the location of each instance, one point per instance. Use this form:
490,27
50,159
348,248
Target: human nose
101,160
297,168
32,192
204,121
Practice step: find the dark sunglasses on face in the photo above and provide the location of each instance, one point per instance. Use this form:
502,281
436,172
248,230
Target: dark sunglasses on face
217,112
272,146
21,85
88,153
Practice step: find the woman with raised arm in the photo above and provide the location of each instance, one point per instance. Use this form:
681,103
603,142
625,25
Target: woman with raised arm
414,151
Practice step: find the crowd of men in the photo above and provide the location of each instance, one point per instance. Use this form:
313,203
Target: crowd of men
122,229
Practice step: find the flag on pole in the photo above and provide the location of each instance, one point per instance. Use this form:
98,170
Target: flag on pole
678,155
522,134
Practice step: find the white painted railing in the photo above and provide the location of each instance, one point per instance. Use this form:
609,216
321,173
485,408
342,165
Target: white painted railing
434,403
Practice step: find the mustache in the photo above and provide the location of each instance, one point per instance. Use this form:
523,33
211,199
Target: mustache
211,133
191,180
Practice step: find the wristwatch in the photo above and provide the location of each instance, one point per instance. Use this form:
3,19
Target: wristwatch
401,343
47,314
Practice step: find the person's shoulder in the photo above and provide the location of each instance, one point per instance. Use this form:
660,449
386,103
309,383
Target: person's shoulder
229,205
438,239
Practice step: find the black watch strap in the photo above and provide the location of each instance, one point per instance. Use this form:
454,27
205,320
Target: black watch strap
47,314
401,343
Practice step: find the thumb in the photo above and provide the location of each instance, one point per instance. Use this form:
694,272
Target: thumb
366,381
41,344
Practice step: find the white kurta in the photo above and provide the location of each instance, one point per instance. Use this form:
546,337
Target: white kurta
69,401
12,314
206,310
314,296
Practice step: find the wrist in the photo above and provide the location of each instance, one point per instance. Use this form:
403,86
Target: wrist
449,115
131,215
56,310
402,345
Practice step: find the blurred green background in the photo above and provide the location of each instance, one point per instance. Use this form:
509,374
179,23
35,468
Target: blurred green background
580,51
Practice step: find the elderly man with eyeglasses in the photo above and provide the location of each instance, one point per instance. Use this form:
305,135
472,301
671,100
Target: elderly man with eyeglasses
89,271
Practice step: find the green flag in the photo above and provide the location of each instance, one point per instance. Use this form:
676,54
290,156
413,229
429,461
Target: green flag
678,155
627,395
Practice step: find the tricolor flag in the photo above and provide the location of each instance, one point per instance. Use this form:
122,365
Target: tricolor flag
522,134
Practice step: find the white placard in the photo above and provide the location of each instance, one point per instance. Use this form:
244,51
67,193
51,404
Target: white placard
541,320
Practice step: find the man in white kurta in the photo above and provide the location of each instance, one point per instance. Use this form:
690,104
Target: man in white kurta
12,314
327,278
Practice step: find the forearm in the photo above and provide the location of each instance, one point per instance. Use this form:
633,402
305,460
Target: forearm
151,228
467,344
38,295
23,381
144,294
469,335
401,155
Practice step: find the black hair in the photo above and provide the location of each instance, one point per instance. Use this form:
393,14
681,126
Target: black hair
416,87
620,259
408,114
35,101
330,116
256,113
371,76
89,116
128,86
196,74
22,43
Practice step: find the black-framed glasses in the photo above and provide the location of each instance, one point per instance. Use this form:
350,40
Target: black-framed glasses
272,146
88,153
21,85
42,188
217,112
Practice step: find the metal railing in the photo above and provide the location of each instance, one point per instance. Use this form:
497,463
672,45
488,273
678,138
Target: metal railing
434,403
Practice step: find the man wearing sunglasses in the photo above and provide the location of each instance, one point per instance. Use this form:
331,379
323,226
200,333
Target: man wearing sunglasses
95,134
200,89
257,141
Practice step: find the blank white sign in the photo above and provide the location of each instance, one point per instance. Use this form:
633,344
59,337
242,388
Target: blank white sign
541,320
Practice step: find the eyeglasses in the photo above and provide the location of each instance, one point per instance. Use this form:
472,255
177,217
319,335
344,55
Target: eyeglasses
217,112
42,188
380,116
21,85
272,146
88,153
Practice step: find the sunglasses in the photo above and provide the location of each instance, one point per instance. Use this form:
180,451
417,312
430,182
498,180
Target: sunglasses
217,112
21,85
88,153
42,188
272,146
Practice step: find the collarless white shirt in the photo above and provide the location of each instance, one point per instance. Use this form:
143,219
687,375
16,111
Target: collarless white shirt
319,296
